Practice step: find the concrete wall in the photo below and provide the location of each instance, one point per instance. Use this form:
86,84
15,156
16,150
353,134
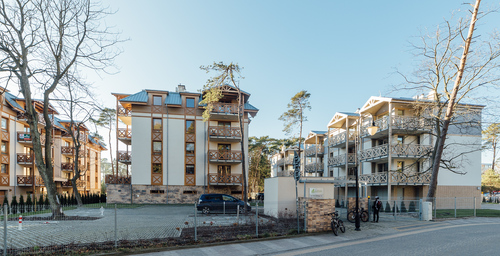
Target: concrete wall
141,156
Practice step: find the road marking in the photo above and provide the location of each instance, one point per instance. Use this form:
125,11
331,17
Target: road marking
376,239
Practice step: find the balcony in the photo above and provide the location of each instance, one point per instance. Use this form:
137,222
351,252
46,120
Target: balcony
5,136
65,150
4,179
25,159
374,178
285,161
125,135
285,173
410,178
397,150
314,167
224,134
400,125
339,140
224,156
67,167
69,184
125,115
25,139
340,160
114,179
314,150
124,157
228,179
27,180
225,111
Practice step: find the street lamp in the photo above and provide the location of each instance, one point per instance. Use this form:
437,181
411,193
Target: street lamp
371,130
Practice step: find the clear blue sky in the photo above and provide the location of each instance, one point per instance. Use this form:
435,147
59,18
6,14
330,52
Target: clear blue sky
342,52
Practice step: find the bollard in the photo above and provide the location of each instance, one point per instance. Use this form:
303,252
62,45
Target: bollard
20,222
238,214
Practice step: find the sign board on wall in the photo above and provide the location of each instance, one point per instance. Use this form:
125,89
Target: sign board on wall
316,192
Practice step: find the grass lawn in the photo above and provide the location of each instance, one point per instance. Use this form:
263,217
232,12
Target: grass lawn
450,213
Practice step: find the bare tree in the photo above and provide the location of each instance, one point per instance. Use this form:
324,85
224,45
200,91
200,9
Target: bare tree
491,137
40,43
107,120
450,81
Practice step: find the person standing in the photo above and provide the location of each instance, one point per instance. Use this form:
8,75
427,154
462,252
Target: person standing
376,208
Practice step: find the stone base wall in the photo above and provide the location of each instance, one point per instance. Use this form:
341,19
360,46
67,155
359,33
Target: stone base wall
147,194
316,219
363,203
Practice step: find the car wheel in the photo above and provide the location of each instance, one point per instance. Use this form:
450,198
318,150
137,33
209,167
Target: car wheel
205,210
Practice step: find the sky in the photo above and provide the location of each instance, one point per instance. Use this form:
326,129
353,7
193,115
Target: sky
341,52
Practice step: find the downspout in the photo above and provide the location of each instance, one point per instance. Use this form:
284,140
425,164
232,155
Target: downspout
205,158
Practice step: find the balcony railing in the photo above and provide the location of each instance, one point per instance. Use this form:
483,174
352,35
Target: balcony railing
124,156
114,179
67,166
314,167
27,180
315,149
225,108
25,137
123,111
224,155
227,132
407,123
23,158
68,183
4,179
340,139
124,133
340,160
225,179
398,150
411,178
379,177
285,173
65,150
287,160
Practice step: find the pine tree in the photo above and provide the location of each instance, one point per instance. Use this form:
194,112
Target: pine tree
403,207
29,204
14,205
412,207
387,207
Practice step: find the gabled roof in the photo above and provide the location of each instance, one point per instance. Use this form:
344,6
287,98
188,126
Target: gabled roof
249,106
11,100
314,136
92,139
340,118
141,97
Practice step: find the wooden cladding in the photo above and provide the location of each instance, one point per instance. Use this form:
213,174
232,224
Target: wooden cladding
124,157
219,179
67,166
114,179
124,133
224,156
26,180
221,131
23,158
225,108
4,179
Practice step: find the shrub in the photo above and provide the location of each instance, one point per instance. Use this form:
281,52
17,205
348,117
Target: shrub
403,207
29,203
13,205
412,207
337,204
387,207
5,201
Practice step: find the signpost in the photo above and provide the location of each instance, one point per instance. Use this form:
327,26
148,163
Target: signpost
296,176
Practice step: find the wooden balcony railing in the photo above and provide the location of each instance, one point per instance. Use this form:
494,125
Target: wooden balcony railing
67,166
23,158
4,179
314,167
398,150
340,138
225,179
113,179
41,120
227,132
315,149
65,150
224,155
27,180
124,133
407,123
340,160
225,108
68,183
124,156
123,111
25,137
379,177
411,178
285,173
287,160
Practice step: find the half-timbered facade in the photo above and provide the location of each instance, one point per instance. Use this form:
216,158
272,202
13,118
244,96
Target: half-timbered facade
173,154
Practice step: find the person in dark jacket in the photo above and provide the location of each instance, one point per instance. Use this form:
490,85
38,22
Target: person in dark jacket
376,208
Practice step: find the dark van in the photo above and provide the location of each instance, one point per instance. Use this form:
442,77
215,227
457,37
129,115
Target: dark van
220,203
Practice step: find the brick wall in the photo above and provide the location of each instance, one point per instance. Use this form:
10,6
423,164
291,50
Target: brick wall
316,210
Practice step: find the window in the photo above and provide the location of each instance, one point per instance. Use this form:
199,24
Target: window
4,123
157,147
156,124
189,149
224,147
189,169
400,165
157,168
401,139
156,100
26,129
224,124
189,126
5,147
4,168
401,112
190,102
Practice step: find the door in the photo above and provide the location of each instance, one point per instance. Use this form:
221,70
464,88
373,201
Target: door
223,174
224,151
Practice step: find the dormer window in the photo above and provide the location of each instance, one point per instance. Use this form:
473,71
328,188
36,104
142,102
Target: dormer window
157,100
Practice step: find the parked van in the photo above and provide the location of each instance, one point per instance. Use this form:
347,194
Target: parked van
220,203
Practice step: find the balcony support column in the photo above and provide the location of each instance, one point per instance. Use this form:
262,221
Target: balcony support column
389,155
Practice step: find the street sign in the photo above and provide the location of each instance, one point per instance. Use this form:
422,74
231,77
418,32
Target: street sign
296,166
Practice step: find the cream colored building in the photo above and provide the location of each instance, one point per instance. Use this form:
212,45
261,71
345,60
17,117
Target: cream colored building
174,155
19,175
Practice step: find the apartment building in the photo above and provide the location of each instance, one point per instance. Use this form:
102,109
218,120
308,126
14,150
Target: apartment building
172,154
393,161
19,174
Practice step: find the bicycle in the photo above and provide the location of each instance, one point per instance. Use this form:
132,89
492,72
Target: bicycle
363,215
336,223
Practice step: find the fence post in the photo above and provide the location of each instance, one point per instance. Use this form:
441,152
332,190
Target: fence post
395,209
305,218
224,207
435,208
455,207
238,214
5,216
257,220
195,224
474,206
116,229
420,203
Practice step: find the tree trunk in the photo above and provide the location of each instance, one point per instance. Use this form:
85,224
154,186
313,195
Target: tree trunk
450,109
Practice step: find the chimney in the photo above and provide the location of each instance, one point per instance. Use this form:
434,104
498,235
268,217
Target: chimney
181,88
